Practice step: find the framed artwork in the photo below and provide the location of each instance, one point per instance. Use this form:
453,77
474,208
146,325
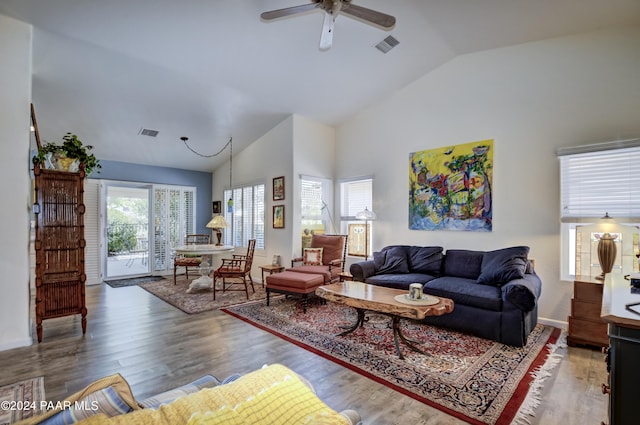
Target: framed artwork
217,207
278,188
450,188
278,216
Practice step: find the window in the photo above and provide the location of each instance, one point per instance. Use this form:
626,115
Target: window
355,196
315,217
594,180
311,205
247,219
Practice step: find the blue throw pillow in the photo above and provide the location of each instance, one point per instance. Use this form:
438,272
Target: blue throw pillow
503,265
463,263
425,259
391,261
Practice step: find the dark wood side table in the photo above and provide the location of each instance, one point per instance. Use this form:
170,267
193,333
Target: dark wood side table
271,269
585,324
345,276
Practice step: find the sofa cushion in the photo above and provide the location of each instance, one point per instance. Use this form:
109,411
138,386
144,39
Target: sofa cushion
108,396
332,247
106,401
392,260
465,291
463,263
321,270
503,265
425,259
207,381
398,281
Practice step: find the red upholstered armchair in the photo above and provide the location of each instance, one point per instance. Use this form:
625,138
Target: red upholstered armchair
329,262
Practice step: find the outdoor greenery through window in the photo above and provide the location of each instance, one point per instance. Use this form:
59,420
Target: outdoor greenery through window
247,219
594,180
355,196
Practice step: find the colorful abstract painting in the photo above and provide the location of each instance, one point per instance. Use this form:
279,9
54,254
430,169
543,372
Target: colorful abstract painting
450,188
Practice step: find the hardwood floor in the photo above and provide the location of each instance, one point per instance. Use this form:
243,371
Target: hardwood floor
157,347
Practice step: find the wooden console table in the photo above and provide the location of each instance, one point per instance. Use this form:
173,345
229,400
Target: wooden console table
585,325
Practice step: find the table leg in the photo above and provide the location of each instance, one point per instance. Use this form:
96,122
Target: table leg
359,322
398,335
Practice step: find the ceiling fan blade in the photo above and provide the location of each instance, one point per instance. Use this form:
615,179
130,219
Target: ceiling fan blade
326,39
368,15
279,13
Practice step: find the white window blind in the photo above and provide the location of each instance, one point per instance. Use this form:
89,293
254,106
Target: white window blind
592,183
311,200
247,219
174,217
355,197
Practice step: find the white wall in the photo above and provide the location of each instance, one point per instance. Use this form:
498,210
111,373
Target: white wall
530,99
268,157
295,146
15,80
314,155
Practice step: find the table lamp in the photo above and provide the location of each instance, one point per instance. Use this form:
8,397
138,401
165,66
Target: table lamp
606,247
218,222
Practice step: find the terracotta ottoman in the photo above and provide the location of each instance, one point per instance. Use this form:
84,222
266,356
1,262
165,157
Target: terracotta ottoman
293,283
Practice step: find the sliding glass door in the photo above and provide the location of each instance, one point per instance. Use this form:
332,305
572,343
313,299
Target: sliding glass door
127,230
141,225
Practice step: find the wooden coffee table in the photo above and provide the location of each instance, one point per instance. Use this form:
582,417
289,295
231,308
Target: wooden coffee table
363,297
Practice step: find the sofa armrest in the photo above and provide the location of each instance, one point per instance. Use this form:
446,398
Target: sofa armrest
296,260
362,270
523,293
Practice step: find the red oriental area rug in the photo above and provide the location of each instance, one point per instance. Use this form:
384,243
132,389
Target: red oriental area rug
474,379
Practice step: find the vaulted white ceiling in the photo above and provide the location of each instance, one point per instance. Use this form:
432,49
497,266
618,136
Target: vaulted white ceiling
211,69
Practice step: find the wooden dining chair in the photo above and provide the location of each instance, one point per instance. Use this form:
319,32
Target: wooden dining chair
237,268
187,260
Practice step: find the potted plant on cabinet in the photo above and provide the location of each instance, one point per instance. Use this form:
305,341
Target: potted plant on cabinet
68,156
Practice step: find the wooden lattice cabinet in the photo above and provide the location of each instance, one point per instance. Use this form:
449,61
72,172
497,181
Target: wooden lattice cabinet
59,245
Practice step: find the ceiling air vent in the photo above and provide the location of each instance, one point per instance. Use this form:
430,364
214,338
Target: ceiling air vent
147,132
387,44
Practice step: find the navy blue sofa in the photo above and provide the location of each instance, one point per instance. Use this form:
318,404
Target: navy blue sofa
495,293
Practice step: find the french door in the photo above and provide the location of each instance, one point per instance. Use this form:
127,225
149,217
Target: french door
139,226
173,218
127,230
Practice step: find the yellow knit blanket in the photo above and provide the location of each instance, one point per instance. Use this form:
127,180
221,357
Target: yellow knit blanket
273,395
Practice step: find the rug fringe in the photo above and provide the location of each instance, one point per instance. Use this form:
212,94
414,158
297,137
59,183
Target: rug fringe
534,398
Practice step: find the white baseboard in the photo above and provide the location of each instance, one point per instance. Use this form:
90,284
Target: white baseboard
25,342
555,323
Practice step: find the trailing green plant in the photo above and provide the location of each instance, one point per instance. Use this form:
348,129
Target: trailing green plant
71,147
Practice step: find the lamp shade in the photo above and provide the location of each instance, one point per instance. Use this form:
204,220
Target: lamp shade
366,214
217,222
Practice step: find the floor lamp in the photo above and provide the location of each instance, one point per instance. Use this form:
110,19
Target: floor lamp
367,216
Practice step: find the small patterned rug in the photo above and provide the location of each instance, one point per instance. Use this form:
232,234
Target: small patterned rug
474,379
21,400
201,300
133,281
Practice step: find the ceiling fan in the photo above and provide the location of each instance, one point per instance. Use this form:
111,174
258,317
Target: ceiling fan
332,8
